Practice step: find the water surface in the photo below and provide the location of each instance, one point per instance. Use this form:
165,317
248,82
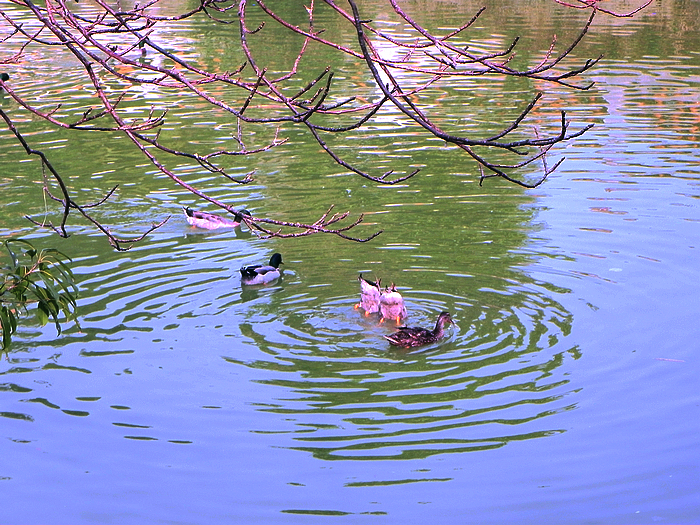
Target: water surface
567,388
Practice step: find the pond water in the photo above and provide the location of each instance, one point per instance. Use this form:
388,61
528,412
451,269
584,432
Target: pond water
567,392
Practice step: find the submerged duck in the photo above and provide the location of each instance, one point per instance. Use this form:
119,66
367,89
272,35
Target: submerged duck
210,221
408,337
261,274
391,304
369,295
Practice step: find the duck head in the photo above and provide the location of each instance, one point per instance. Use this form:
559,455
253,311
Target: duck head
276,259
239,215
443,320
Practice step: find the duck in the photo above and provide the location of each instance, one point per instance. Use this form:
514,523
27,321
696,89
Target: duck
370,292
409,337
210,221
391,305
262,274
4,77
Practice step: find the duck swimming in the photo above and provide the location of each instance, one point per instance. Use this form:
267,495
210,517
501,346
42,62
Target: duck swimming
210,221
409,337
369,295
262,274
391,304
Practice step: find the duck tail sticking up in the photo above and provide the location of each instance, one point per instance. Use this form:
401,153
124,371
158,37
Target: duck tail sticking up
370,293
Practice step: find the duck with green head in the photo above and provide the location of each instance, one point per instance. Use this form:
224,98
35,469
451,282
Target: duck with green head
210,221
262,274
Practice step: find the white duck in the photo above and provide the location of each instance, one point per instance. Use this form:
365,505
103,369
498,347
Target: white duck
391,304
369,295
210,221
262,274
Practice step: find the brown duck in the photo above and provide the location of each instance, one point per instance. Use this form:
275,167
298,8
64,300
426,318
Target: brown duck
408,337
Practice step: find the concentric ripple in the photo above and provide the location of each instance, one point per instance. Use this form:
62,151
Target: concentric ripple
344,393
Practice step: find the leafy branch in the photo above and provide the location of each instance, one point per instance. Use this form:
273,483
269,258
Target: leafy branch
36,277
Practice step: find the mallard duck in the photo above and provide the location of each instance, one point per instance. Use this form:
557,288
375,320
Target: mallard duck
210,221
408,337
4,77
391,304
369,295
261,274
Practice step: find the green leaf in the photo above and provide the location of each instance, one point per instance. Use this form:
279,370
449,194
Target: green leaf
8,325
43,277
42,315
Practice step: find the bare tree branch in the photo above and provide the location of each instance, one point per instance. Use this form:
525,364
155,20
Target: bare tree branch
110,42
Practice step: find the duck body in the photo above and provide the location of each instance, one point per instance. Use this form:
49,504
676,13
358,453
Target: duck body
210,221
262,274
370,293
409,337
391,305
